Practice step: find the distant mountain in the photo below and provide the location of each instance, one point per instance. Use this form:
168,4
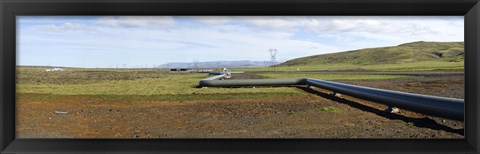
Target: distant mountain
217,64
403,53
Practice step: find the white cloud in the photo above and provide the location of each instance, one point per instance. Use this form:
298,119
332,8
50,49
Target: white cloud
212,43
137,21
68,26
211,19
401,25
281,23
385,31
382,25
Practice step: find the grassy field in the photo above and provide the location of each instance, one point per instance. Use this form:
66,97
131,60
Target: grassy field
161,84
334,76
140,85
132,86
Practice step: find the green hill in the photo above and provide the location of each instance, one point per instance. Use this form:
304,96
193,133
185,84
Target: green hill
415,52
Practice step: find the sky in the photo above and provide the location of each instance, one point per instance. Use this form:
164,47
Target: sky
146,41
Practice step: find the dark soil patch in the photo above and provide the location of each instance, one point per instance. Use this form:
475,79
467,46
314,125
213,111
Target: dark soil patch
246,76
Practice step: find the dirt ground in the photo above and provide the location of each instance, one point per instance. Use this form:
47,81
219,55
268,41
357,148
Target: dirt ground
438,85
285,117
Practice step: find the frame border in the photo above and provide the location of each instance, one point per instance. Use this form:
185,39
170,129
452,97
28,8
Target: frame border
9,9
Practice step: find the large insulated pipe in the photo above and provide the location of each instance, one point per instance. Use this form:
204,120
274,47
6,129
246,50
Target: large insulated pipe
251,82
214,78
219,73
449,108
215,73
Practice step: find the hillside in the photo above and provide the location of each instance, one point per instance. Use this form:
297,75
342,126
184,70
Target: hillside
404,53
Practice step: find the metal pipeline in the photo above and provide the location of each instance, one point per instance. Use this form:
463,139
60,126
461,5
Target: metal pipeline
215,73
251,82
213,78
219,73
449,108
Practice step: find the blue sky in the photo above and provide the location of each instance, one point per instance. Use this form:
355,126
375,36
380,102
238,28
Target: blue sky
134,41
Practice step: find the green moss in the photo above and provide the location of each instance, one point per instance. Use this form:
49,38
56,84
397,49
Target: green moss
175,84
292,112
328,109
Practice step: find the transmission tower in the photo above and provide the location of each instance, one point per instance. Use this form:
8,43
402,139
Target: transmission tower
195,63
273,57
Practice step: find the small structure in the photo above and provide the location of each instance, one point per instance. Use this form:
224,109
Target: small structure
190,70
54,69
227,73
180,69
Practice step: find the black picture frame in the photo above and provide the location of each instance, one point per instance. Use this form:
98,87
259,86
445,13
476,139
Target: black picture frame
470,9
